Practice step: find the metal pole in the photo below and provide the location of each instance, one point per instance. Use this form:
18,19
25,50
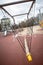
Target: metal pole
18,2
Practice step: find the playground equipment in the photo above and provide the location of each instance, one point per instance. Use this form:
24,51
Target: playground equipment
27,49
28,54
41,23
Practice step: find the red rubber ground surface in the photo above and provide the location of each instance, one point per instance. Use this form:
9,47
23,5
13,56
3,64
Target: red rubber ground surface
11,52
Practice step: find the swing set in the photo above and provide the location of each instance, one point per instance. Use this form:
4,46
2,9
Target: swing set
27,49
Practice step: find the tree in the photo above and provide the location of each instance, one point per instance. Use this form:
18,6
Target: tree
22,24
5,23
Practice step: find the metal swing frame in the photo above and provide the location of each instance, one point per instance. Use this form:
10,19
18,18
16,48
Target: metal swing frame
18,2
12,16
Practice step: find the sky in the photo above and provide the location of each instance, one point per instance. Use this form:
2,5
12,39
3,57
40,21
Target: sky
21,8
